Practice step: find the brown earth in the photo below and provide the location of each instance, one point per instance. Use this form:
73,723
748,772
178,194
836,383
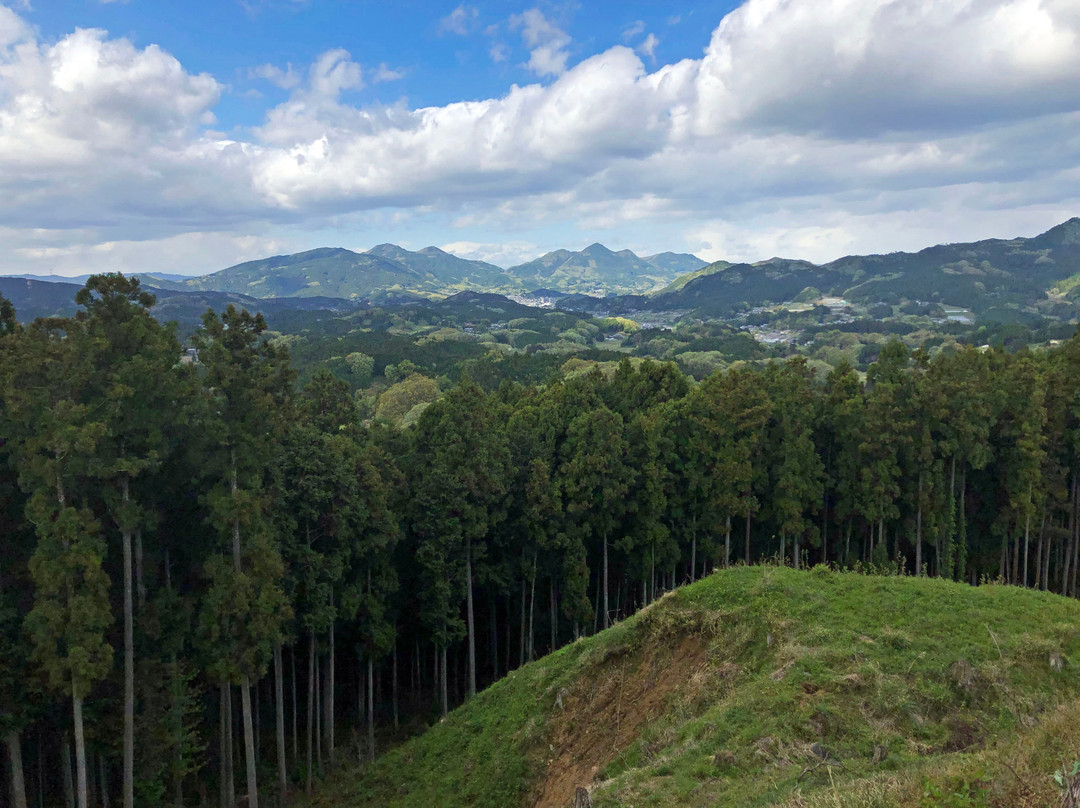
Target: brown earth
607,711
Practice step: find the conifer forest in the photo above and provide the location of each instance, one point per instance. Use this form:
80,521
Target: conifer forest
217,583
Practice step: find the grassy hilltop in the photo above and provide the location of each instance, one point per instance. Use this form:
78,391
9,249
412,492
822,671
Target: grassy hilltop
763,686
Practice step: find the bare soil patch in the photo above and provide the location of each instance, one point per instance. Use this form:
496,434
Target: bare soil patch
606,711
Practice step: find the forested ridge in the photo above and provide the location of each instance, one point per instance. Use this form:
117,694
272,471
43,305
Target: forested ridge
214,584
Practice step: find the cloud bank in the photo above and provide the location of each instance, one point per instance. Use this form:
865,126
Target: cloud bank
811,127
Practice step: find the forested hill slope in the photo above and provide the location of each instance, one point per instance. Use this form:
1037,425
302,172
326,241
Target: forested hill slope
762,686
976,275
596,270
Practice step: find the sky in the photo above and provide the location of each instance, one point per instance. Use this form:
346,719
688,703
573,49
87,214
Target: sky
145,136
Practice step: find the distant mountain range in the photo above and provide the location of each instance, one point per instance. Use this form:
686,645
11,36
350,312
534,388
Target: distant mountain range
1040,274
36,298
388,270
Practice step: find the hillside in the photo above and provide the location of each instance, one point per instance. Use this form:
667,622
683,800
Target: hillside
38,298
325,272
596,270
763,686
444,268
978,276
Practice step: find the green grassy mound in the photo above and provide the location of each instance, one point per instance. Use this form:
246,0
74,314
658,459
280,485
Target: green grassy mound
764,686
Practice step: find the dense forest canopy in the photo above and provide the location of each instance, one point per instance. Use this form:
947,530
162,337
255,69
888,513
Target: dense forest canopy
214,577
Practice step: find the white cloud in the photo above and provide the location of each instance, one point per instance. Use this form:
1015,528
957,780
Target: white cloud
383,73
807,127
499,52
285,79
186,254
501,254
459,21
635,29
547,43
648,47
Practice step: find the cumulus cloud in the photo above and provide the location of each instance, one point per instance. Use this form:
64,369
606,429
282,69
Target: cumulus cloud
809,127
547,43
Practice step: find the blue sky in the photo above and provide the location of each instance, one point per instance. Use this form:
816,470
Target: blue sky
147,136
442,56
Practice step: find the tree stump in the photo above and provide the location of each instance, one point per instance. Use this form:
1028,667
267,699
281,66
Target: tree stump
582,798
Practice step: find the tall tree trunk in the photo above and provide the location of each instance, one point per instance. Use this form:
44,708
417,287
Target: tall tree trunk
918,531
393,685
311,714
509,630
80,749
66,772
245,688
318,713
494,617
140,580
783,548
292,678
727,543
945,564
1003,558
1066,561
847,540
178,777
371,705
797,549
414,676
1075,538
443,694
470,617
532,610
524,590
693,548
129,660
257,713
249,744
223,749
18,786
279,709
605,573
1039,551
330,689
652,574
596,606
1027,537
103,780
554,616
1046,560
961,552
749,520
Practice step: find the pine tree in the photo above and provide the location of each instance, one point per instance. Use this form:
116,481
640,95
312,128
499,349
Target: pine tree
596,477
71,613
245,609
133,385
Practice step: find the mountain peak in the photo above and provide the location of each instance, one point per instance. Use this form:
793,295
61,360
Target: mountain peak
1068,232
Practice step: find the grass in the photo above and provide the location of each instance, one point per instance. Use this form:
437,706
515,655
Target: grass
813,688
